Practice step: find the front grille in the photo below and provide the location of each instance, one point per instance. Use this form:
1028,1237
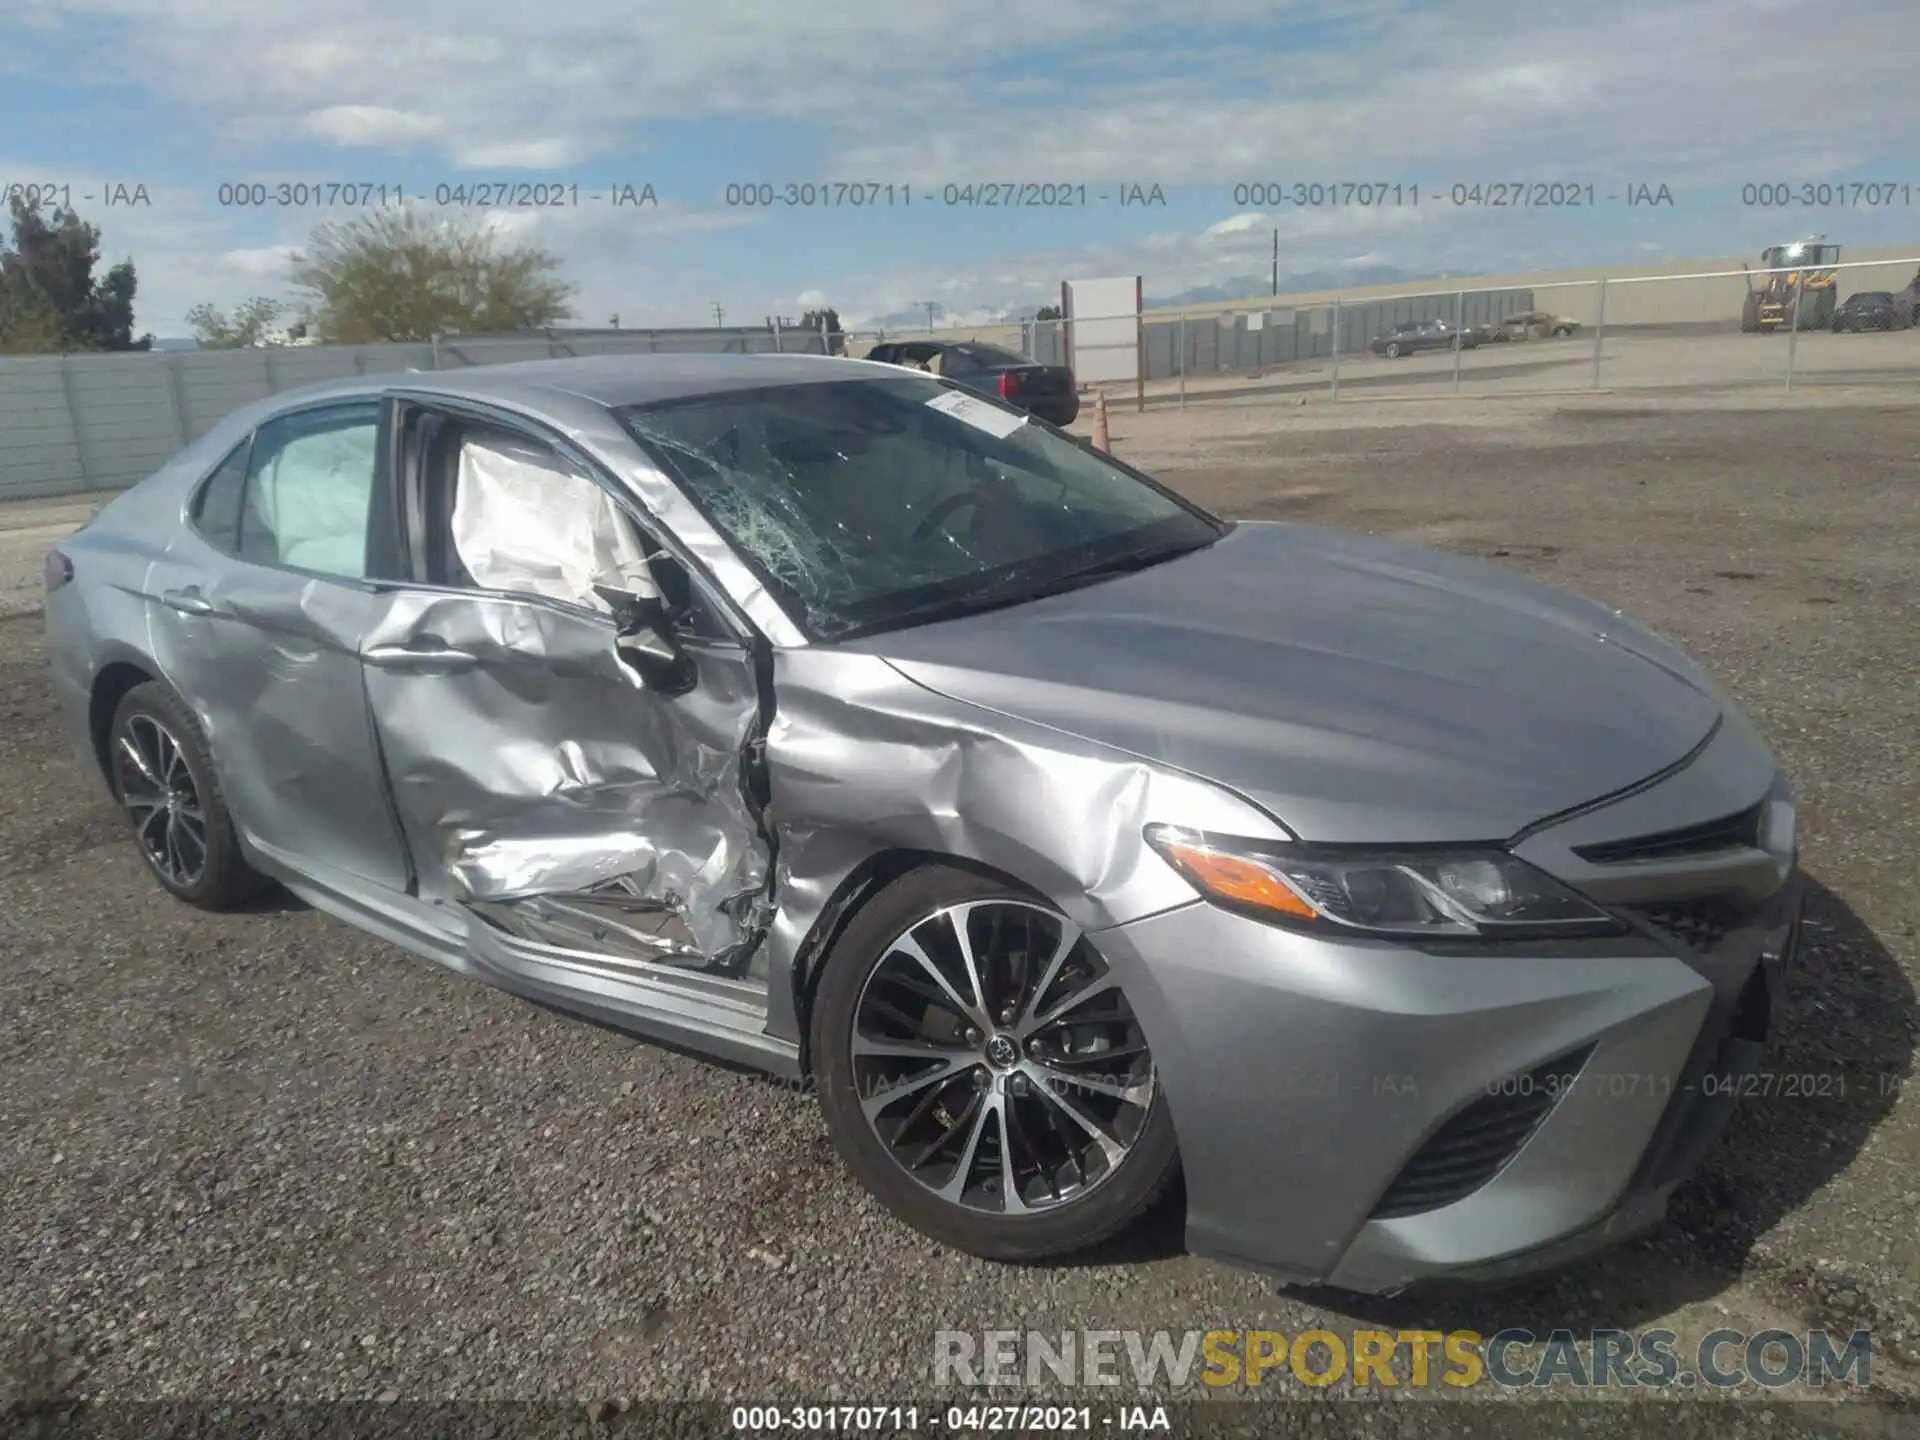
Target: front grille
1701,924
1731,832
1476,1145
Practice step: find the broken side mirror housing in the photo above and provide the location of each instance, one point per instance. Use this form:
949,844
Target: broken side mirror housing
645,638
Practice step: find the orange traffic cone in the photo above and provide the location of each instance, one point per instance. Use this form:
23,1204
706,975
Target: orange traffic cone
1101,441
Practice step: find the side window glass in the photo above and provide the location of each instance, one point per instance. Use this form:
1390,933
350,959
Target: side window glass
216,508
525,521
310,491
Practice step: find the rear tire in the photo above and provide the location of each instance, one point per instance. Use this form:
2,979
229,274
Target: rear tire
1750,316
920,1154
162,774
1393,351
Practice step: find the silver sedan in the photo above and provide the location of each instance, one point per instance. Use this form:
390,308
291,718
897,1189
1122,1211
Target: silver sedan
1065,837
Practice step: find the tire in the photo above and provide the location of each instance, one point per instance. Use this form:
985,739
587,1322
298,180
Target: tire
1393,350
860,993
1750,316
158,724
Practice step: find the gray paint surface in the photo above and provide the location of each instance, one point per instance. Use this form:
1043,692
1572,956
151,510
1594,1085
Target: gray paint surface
1293,683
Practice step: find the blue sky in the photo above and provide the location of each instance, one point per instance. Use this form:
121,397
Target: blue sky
183,96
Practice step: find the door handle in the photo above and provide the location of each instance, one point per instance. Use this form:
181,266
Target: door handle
188,601
425,659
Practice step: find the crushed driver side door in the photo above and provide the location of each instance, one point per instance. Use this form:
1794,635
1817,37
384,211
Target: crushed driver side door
596,822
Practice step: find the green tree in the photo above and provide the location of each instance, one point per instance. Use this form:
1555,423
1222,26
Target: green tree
407,273
252,321
50,298
836,337
1049,312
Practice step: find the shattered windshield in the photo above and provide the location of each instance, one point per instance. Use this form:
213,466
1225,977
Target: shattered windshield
867,504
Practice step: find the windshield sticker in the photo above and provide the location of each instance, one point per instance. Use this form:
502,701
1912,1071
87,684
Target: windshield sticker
977,413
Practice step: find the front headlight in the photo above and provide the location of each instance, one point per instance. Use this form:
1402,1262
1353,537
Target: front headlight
1432,894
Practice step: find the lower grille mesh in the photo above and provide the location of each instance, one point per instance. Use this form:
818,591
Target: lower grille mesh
1702,924
1475,1145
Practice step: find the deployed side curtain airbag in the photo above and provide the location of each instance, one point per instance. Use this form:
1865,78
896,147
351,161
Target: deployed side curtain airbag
307,503
525,521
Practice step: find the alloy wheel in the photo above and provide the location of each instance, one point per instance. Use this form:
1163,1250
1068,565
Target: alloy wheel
997,1058
157,788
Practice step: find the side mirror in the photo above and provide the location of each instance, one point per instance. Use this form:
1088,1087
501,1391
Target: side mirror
645,638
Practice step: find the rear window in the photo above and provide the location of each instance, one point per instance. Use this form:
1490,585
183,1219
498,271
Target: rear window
989,354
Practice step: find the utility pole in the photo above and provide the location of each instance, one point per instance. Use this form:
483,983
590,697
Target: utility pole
931,305
613,320
1276,259
719,315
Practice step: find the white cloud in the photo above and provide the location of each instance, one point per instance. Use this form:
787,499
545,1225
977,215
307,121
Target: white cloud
811,299
1652,90
1236,225
1145,93
371,126
554,153
271,262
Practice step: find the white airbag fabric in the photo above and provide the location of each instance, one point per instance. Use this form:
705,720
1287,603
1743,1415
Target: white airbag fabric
524,521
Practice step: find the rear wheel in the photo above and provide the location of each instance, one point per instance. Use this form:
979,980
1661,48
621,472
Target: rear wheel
983,1073
1750,316
163,776
1393,349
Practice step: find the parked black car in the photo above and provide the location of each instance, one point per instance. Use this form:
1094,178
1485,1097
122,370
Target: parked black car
1414,335
1872,310
1047,391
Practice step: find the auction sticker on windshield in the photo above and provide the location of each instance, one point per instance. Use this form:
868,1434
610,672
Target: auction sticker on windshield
977,413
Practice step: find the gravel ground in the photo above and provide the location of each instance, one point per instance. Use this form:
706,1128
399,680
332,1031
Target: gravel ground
263,1156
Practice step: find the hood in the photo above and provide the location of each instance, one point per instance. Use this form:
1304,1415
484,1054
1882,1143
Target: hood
1358,689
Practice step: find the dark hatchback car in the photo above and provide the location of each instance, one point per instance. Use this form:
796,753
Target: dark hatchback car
1412,335
1871,310
1046,391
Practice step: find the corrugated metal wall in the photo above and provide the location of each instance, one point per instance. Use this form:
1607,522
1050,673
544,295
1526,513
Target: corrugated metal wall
74,423
1262,334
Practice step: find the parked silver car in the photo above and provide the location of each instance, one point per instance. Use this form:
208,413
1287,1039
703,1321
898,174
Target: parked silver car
835,720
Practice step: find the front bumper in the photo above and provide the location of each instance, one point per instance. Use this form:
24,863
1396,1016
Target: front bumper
1366,1116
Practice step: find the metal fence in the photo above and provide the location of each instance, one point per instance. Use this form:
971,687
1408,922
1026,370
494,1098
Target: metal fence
76,423
1680,332
70,424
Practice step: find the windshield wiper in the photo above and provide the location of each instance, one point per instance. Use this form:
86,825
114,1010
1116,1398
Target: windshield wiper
1130,561
999,597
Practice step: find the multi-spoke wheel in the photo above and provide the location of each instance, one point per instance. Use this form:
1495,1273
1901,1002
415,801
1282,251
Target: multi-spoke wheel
161,772
158,791
984,1072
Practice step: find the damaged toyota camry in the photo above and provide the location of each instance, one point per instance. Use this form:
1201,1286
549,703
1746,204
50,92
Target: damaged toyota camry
1065,838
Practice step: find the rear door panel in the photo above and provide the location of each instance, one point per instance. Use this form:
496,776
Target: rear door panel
272,668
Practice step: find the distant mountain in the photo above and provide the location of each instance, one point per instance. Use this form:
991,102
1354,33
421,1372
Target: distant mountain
176,342
908,321
1240,287
1253,287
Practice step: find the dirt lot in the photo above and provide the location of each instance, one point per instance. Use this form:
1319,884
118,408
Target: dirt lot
265,1156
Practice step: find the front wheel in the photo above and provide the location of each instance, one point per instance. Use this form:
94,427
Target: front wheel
1393,351
163,776
983,1073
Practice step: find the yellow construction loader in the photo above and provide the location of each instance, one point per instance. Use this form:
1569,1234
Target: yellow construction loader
1802,271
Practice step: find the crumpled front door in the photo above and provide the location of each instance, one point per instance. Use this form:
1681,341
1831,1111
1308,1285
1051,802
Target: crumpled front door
543,786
